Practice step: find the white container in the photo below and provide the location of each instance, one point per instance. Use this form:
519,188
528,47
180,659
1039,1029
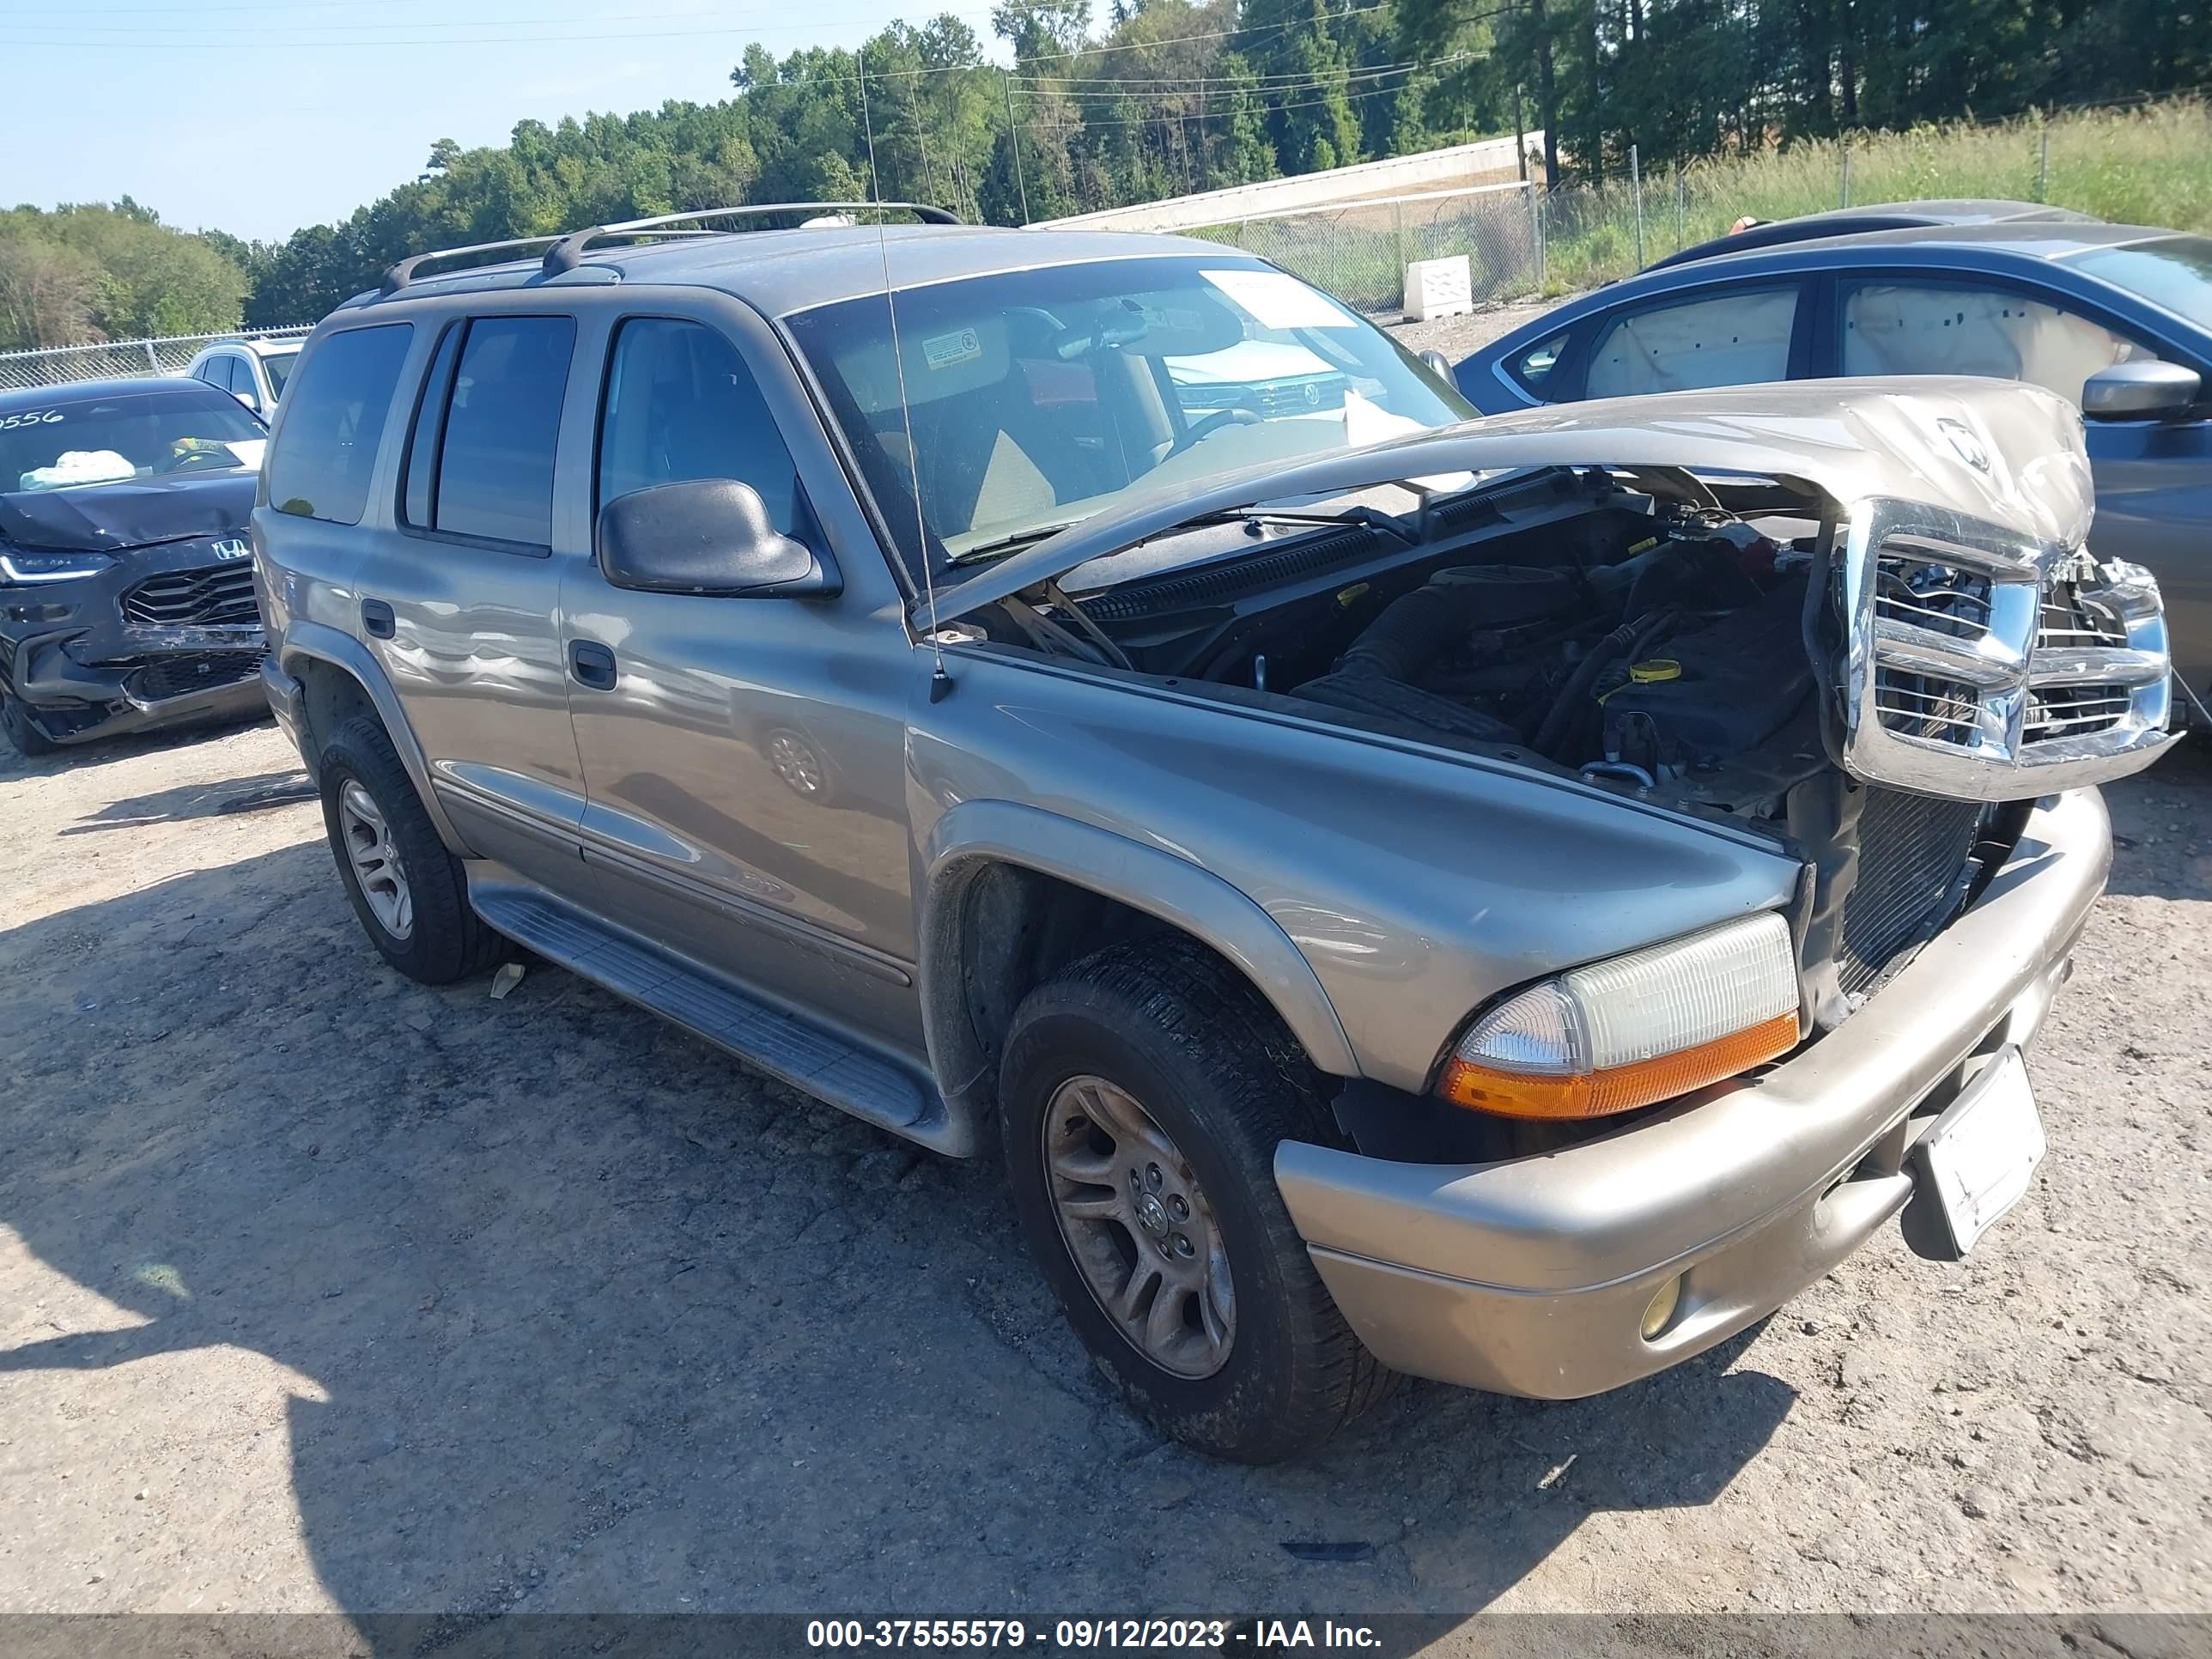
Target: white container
1438,288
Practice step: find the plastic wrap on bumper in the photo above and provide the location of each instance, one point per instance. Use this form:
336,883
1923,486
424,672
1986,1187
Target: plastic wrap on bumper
1532,1276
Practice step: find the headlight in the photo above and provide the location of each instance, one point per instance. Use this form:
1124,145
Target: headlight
1641,1028
18,568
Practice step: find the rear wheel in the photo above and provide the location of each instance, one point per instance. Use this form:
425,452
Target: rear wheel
1142,1095
407,891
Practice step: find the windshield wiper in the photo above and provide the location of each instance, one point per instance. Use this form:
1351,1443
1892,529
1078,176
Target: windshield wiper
1256,518
1009,544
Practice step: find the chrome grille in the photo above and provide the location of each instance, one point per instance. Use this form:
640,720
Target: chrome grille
2070,621
1984,666
1912,872
205,597
1941,598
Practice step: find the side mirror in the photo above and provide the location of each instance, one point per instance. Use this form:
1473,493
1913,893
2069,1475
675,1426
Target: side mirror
1440,365
249,400
709,536
2140,392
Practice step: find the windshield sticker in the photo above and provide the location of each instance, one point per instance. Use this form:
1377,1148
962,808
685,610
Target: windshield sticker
1279,301
950,350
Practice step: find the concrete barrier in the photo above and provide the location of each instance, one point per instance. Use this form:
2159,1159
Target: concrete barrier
1488,160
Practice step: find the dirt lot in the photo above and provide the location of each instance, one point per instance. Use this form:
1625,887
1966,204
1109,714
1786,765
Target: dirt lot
321,1290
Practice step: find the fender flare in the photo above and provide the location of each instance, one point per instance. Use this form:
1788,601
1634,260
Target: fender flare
977,834
323,643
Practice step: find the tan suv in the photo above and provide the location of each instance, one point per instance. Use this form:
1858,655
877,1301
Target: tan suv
1509,901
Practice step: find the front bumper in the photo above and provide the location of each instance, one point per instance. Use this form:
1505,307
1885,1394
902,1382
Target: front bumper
84,670
1532,1276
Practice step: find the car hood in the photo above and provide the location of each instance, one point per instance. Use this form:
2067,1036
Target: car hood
109,516
2007,454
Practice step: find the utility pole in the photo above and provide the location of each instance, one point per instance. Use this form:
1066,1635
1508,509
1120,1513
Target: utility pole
1014,138
1635,183
1205,169
1520,135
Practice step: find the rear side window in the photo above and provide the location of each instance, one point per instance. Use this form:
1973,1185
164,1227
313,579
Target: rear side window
1893,328
681,405
1735,338
493,429
321,466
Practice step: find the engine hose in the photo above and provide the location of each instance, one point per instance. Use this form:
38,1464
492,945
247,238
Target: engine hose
1410,633
1569,706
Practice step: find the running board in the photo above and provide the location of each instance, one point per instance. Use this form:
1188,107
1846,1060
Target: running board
824,1063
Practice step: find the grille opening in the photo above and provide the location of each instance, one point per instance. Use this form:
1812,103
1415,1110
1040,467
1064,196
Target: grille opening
207,598
1940,598
1925,706
2069,619
2073,711
182,675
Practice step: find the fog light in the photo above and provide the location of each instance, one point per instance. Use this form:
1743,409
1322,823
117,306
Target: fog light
1659,1312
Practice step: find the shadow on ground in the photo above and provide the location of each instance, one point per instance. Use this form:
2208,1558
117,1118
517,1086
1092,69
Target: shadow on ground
607,1323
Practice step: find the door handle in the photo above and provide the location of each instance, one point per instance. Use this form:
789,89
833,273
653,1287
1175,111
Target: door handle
592,664
376,616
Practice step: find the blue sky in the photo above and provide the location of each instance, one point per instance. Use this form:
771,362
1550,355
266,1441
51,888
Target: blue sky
259,116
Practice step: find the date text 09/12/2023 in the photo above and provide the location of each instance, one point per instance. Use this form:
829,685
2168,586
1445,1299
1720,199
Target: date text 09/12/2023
1076,1635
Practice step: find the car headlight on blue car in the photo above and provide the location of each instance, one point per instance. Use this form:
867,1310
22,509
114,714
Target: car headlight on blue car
19,568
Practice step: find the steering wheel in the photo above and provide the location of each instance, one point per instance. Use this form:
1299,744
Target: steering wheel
183,460
1199,431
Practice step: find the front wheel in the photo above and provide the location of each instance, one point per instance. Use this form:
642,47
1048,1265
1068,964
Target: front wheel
22,730
1142,1095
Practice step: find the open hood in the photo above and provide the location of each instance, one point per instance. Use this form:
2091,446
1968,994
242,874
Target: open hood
2009,455
104,517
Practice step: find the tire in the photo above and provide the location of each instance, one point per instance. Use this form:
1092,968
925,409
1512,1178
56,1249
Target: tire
16,719
1164,1024
434,936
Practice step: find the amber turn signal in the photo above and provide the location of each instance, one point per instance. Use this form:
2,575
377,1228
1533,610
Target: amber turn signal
1631,1030
1617,1088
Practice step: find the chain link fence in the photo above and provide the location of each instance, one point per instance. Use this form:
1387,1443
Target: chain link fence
2135,163
1358,250
120,359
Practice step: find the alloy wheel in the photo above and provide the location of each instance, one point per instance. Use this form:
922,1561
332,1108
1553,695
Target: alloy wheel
1139,1227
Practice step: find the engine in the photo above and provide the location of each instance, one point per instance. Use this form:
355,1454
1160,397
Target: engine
1674,662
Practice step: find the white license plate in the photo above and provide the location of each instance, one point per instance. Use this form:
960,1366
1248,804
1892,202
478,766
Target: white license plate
1977,1160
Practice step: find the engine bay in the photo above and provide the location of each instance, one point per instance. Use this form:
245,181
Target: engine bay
1647,639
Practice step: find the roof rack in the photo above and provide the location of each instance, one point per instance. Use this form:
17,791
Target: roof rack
404,273
568,251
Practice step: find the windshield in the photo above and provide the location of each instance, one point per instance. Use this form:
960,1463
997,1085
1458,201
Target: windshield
68,441
279,368
1040,397
2174,272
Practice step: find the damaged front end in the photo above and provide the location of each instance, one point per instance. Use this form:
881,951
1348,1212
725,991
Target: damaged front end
1862,621
159,634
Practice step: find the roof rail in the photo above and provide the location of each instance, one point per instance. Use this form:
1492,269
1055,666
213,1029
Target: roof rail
404,273
568,251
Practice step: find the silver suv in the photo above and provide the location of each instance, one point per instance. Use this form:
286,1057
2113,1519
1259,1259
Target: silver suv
1511,902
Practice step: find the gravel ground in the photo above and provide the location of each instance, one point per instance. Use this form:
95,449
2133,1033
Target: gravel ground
320,1289
1457,336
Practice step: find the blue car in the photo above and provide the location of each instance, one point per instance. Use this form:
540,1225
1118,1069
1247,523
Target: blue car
2116,318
